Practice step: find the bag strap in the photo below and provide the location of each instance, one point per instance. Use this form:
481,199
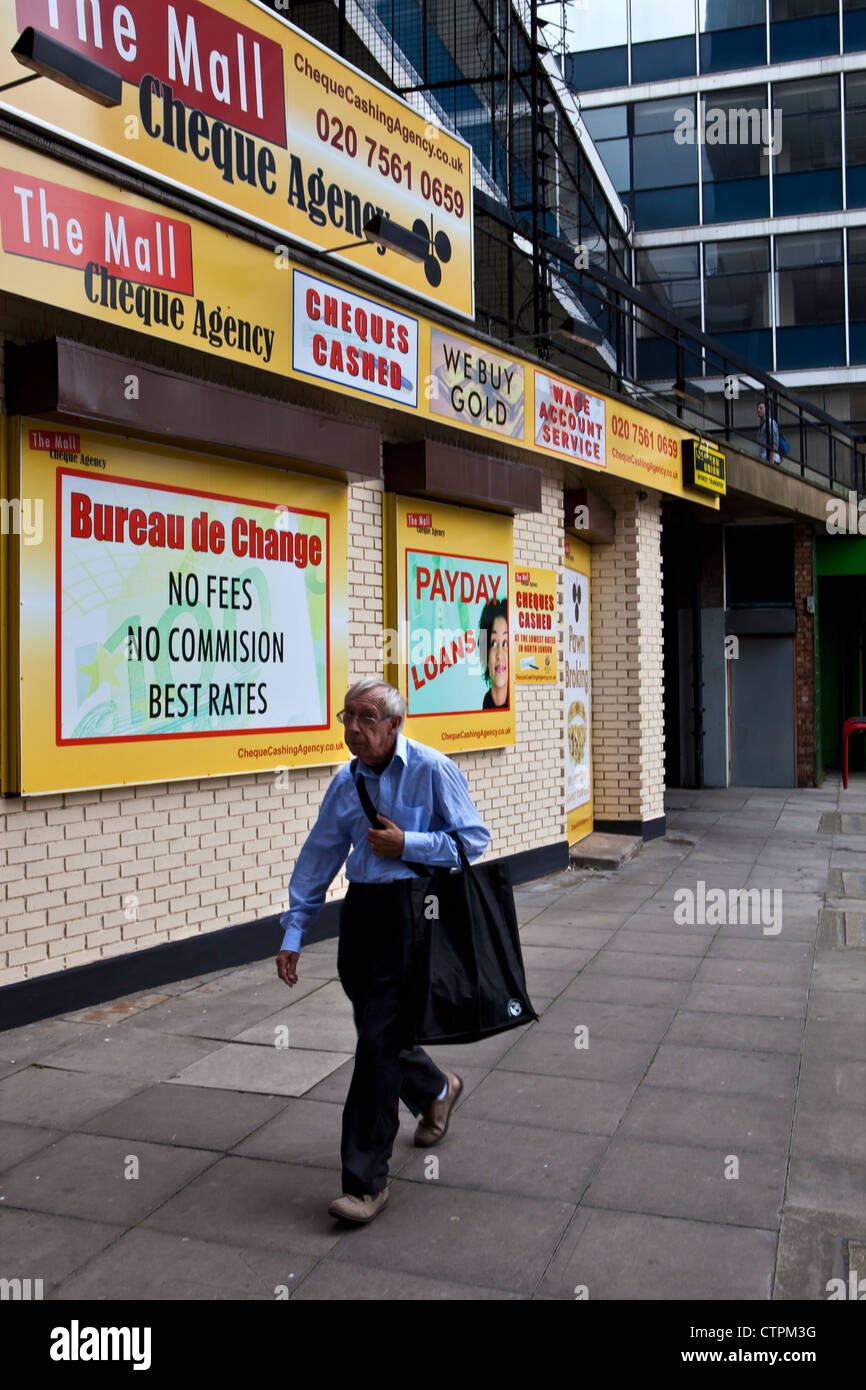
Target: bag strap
424,870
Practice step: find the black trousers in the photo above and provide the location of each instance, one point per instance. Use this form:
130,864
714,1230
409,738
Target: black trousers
370,966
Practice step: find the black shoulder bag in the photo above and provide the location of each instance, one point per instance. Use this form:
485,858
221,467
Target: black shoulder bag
464,964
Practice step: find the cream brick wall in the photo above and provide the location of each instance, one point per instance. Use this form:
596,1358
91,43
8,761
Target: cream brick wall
88,875
627,661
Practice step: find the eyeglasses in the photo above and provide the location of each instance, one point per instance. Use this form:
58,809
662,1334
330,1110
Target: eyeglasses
366,721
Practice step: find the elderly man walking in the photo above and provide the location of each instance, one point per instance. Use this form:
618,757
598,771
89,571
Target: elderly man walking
419,796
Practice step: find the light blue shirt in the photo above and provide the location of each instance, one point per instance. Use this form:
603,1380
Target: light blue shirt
420,790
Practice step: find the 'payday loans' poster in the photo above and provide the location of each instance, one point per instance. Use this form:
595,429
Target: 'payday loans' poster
451,581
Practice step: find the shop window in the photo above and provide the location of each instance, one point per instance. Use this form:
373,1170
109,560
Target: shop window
733,34
759,566
803,29
807,167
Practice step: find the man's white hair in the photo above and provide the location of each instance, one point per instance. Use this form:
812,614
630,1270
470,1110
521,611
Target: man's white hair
389,698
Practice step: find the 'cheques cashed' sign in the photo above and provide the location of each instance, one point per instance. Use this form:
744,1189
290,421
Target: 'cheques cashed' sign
191,629
230,102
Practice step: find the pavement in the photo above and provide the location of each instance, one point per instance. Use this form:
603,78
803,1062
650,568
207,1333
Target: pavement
686,1120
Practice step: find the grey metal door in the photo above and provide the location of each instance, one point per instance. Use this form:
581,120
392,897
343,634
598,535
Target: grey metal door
762,712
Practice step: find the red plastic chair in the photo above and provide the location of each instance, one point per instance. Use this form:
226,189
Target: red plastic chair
857,721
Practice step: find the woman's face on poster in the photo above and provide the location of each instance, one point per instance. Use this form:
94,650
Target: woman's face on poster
497,657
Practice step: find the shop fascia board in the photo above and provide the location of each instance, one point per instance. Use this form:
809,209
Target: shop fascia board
426,468
70,382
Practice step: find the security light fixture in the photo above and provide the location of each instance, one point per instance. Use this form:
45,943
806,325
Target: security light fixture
394,237
48,58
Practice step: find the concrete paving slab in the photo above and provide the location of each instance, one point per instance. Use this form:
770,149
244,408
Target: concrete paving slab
485,1053
551,1052
739,1031
843,1082
746,999
559,959
118,1009
186,1115
812,1252
632,938
483,1156
836,1006
723,1070
603,851
642,965
621,1255
730,1123
218,1018
828,1130
18,1142
626,1023
37,1041
550,1102
332,1280
305,1131
84,1175
732,971
571,937
145,1265
255,1204
131,1051
845,972
326,1030
60,1099
286,1071
828,1184
827,1040
50,1248
625,989
495,1239
689,1182
769,948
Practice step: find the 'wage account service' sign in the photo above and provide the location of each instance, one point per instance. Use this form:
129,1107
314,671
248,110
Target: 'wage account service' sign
228,101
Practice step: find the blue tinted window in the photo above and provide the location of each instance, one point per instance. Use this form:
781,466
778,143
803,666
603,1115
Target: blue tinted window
666,207
855,181
736,199
592,72
820,345
857,335
734,48
854,30
807,37
756,345
663,58
820,191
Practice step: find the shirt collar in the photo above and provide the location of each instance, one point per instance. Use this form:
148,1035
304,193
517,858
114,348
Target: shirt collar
401,751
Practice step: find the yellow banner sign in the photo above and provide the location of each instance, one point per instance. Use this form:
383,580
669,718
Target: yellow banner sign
448,583
230,102
190,630
704,466
534,626
73,241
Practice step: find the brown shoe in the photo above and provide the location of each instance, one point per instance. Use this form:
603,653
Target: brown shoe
434,1121
360,1209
